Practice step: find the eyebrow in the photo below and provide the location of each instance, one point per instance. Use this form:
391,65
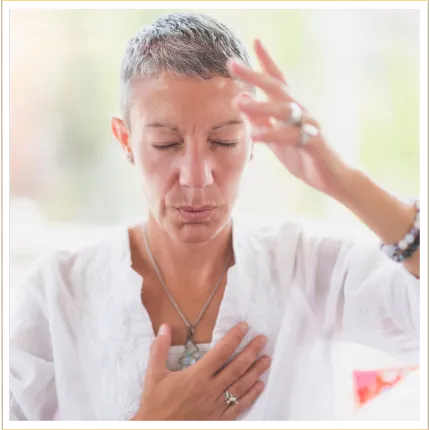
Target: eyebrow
231,122
161,125
157,124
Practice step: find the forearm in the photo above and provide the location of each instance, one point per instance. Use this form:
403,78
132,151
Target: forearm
387,216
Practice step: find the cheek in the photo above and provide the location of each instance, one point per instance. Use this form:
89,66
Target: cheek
158,172
230,167
238,158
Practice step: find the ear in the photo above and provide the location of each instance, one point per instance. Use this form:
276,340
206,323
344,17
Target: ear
121,134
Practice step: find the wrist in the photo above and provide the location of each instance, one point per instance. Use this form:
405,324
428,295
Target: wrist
388,216
351,186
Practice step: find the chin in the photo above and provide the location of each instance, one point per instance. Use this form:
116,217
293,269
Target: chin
196,232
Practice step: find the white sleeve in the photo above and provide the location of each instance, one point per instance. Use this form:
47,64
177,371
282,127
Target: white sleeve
360,295
32,379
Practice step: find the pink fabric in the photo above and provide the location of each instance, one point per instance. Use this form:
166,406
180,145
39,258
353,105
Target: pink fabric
369,384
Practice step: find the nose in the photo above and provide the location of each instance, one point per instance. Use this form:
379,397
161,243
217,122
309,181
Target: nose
195,170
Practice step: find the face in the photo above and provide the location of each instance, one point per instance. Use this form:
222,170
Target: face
191,146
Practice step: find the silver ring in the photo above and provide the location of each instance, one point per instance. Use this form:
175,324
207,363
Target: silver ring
229,398
296,115
307,131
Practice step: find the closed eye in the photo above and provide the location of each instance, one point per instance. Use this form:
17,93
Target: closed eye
165,146
225,144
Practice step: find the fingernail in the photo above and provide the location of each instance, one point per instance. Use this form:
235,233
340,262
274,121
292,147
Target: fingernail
163,330
263,340
243,327
266,360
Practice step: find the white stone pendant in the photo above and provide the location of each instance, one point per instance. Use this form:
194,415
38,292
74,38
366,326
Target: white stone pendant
190,354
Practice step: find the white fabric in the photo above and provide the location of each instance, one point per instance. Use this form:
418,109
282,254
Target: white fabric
80,339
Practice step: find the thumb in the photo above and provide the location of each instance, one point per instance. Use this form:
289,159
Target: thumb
159,352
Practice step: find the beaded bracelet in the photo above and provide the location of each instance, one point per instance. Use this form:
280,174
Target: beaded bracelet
406,247
407,253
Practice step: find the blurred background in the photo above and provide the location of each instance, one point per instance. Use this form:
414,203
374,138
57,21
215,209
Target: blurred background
357,71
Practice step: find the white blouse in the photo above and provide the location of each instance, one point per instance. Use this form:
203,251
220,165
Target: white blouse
80,338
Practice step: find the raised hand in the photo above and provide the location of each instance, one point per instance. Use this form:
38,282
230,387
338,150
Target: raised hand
287,127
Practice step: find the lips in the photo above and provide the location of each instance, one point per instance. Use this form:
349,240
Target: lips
196,209
196,214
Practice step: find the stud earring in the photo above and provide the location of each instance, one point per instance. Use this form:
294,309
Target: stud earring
130,157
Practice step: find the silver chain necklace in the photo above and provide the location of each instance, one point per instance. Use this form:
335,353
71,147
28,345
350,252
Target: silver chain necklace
190,354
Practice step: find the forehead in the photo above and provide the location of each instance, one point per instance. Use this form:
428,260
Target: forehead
171,98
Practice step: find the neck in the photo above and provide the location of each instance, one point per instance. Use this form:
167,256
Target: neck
195,266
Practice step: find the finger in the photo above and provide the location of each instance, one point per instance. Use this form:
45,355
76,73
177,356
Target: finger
215,358
234,410
272,86
159,352
272,70
255,119
279,133
283,132
246,382
281,110
240,364
278,110
267,63
259,121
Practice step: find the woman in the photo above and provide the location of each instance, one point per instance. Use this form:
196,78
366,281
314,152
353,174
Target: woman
190,315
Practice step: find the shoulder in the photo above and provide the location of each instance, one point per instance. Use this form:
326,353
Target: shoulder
298,236
299,247
68,270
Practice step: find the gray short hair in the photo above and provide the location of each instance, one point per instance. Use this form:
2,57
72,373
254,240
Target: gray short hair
186,44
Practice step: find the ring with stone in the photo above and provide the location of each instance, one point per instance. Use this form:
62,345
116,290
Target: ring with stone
307,131
296,115
229,398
